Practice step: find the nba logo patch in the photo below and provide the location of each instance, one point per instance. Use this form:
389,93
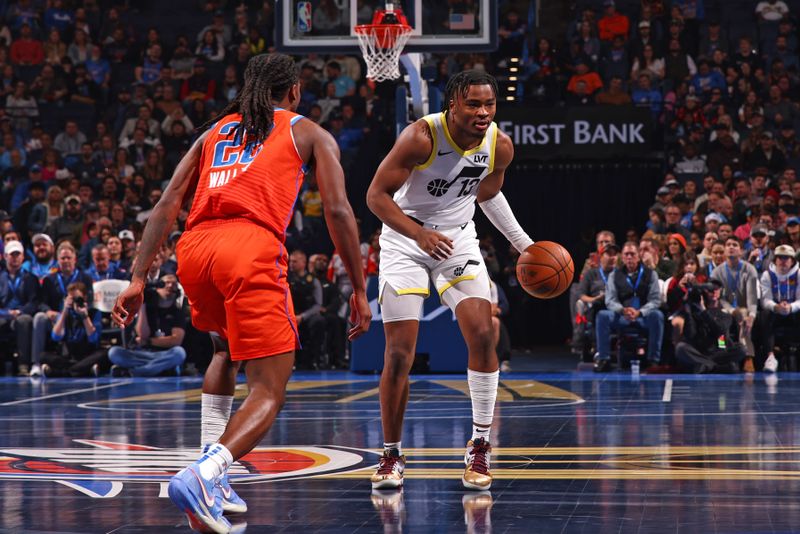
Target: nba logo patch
304,17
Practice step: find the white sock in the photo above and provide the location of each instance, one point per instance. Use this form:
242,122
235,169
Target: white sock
388,445
215,461
483,392
215,412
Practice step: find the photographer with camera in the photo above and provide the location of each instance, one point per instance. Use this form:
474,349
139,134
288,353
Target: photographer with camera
159,333
77,333
739,281
709,334
780,301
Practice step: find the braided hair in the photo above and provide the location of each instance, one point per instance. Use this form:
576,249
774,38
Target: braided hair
459,84
267,78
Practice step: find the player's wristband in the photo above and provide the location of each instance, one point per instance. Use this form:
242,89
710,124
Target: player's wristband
500,215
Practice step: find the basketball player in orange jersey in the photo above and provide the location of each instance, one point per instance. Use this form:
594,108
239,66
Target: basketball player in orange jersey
425,192
245,173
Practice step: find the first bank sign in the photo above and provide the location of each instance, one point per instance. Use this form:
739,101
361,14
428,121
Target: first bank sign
578,133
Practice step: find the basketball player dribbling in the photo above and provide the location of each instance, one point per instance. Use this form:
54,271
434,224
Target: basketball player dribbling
425,192
245,173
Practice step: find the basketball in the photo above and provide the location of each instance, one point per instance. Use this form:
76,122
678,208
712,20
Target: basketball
545,269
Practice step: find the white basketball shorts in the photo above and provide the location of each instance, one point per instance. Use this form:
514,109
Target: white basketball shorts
407,270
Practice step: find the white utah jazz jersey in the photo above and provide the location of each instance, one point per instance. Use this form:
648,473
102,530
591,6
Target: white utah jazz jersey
442,190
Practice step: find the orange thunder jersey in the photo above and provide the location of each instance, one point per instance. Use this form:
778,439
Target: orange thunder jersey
258,181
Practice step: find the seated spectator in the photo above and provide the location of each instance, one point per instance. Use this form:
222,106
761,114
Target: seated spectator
767,154
101,267
344,85
724,150
43,263
612,23
615,95
715,256
757,248
739,295
69,225
615,60
793,231
676,250
307,298
649,63
725,230
581,96
586,45
54,48
199,86
692,162
512,33
592,291
780,301
706,79
69,142
713,40
645,96
687,274
76,331
22,108
159,334
632,297
18,303
688,115
149,72
678,65
585,75
80,50
710,337
210,47
26,50
152,126
49,86
334,311
673,225
651,257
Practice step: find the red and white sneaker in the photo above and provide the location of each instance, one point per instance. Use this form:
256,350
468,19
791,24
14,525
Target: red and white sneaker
389,474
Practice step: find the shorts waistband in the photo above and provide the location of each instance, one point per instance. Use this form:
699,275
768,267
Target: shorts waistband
438,226
213,223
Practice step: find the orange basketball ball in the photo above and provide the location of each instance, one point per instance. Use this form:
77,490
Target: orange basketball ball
545,269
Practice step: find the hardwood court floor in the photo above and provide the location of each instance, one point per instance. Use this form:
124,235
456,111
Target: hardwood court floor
573,453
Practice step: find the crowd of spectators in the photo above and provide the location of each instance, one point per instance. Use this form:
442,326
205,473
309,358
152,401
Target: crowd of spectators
726,213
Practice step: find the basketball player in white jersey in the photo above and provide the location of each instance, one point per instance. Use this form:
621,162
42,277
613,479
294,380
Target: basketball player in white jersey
425,192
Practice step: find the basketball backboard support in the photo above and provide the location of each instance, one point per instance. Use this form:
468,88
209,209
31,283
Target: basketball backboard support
326,26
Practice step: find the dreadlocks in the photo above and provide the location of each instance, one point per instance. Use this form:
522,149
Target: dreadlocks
267,77
459,84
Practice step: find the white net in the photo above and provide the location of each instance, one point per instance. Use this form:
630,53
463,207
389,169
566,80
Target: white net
381,46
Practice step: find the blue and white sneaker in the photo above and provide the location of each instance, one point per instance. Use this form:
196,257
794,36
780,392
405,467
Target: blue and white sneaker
231,502
199,499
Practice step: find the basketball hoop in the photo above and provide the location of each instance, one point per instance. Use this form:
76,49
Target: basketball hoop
382,43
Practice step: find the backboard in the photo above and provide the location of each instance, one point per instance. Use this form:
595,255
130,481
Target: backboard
325,26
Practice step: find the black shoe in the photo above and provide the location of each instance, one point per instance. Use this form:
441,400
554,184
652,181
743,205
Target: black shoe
602,366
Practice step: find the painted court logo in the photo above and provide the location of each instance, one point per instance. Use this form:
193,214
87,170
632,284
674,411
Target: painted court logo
100,468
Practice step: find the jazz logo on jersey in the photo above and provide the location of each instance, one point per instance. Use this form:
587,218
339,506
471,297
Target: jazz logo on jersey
231,157
470,177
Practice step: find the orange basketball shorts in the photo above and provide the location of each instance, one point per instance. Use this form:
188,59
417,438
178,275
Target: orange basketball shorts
234,275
